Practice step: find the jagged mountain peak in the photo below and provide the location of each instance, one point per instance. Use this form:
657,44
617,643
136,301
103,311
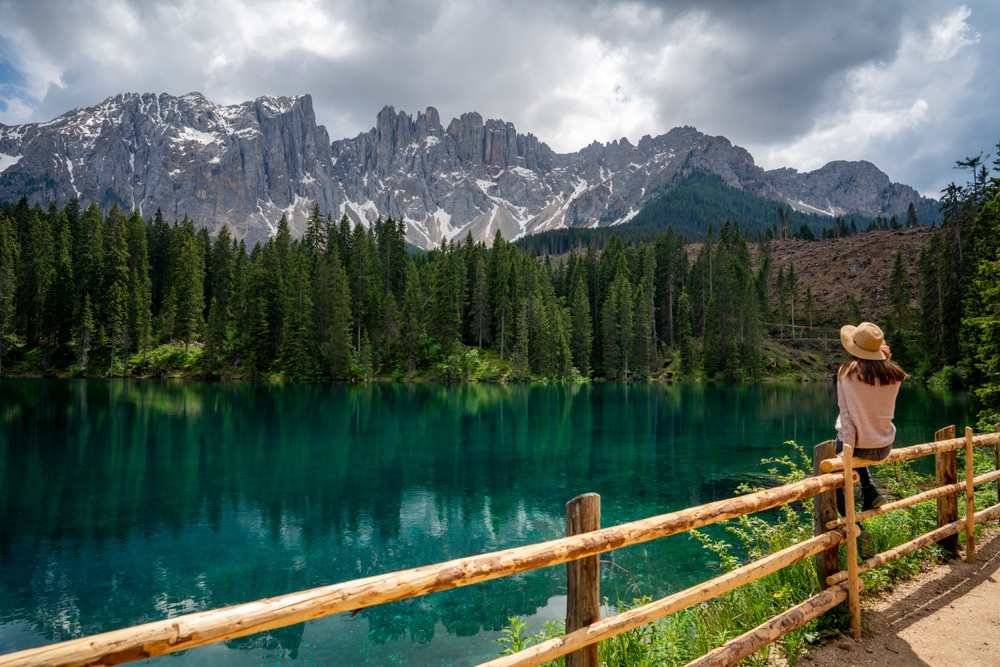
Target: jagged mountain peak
245,165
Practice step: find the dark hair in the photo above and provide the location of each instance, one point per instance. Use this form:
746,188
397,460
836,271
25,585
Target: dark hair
872,371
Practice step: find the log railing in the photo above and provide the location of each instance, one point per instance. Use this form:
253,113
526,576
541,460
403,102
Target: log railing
208,627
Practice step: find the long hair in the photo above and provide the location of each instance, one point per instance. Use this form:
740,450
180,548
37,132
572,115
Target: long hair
872,371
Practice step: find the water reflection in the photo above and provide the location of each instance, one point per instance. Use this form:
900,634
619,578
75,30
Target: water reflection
126,502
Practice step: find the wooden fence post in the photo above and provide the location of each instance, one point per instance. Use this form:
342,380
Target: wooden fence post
583,578
853,571
946,471
970,499
996,459
824,509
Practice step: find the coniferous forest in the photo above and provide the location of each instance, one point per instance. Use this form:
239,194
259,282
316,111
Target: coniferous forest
85,293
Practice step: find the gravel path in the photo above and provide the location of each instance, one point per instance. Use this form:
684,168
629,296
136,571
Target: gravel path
948,616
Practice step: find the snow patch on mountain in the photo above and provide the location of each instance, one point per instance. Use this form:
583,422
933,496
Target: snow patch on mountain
8,161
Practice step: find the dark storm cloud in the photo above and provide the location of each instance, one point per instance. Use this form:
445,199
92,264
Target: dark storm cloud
906,85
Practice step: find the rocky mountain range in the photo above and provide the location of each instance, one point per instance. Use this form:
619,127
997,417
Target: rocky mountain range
246,165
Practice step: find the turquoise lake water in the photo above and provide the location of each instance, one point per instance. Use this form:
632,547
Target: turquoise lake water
124,502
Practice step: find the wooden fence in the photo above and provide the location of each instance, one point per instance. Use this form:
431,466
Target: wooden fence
579,550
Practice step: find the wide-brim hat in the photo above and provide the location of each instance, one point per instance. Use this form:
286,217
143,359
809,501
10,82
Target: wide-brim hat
863,341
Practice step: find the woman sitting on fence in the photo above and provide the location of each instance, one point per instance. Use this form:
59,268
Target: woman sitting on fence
867,385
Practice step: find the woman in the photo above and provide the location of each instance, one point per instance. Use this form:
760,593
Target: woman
867,386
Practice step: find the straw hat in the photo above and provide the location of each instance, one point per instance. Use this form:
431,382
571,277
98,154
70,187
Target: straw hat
863,341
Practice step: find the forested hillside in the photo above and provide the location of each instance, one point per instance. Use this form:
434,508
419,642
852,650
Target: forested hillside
699,201
87,294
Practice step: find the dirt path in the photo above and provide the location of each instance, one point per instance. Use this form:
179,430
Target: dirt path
946,617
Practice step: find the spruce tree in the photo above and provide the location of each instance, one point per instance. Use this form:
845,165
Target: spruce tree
222,266
297,354
581,326
57,322
140,298
685,342
502,277
9,251
617,320
116,287
35,273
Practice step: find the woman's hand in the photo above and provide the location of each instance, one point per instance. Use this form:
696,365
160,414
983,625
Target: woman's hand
886,351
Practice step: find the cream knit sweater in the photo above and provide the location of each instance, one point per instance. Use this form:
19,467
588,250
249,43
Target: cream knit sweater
866,411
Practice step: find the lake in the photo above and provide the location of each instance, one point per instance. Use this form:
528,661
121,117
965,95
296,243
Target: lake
124,502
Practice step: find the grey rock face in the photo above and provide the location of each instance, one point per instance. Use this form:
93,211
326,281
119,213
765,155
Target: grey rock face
245,165
241,166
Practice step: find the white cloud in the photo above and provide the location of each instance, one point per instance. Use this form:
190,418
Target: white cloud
900,82
909,99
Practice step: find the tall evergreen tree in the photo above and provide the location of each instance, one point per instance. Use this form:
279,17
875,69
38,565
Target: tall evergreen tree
617,320
581,326
35,274
412,331
685,344
297,358
644,345
186,294
503,277
60,307
9,251
445,308
114,308
671,271
140,297
221,268
332,317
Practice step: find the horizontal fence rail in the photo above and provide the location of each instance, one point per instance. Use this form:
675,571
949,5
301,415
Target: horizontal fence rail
832,472
208,627
914,452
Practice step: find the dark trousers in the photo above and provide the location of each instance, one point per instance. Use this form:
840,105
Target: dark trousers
864,476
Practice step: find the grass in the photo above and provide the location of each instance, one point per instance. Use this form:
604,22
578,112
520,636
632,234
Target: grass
688,634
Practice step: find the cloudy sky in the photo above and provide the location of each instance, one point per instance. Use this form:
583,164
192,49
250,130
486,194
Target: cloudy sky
910,85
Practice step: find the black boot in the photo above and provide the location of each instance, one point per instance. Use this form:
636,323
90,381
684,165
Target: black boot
871,498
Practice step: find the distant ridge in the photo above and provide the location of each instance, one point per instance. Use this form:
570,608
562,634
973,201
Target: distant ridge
248,164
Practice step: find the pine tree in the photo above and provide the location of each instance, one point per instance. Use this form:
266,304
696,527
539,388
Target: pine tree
899,293
222,266
932,303
158,234
186,296
9,251
519,351
581,326
116,286
35,273
84,335
700,283
980,333
479,314
685,344
297,351
57,323
644,344
88,257
332,317
502,277
713,360
361,270
412,326
140,298
671,271
617,320
445,316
